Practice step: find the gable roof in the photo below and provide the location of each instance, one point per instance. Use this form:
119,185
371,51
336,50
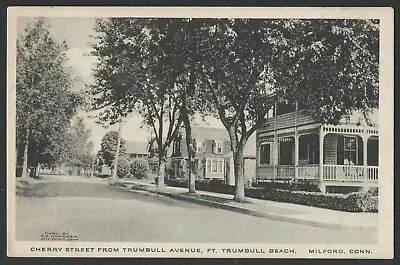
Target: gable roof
136,147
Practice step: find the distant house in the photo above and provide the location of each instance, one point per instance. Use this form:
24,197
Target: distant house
249,157
213,158
292,145
137,149
153,158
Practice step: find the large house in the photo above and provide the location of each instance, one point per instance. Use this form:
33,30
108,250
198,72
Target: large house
292,145
213,156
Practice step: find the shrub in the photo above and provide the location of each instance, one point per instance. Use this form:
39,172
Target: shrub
170,173
139,168
181,183
303,185
341,189
123,167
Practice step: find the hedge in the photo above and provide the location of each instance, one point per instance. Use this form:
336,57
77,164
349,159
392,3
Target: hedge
352,202
139,168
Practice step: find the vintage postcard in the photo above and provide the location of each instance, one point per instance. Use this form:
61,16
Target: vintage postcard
200,132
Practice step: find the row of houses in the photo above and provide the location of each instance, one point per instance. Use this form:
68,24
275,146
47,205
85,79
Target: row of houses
213,159
289,145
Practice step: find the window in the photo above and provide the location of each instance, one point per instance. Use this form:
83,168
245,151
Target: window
373,152
309,149
265,154
218,148
199,146
177,146
313,150
219,169
350,150
286,149
303,148
215,166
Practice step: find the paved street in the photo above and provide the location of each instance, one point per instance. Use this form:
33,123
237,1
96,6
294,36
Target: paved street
96,211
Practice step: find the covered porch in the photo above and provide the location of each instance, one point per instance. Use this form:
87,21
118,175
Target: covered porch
348,156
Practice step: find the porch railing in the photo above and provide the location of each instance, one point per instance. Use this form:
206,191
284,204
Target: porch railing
309,171
343,172
285,171
288,119
266,172
330,172
372,173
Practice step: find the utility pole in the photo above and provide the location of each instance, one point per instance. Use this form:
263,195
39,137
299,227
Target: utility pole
114,173
92,168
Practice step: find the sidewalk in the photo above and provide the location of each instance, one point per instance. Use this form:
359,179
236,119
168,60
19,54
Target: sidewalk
278,211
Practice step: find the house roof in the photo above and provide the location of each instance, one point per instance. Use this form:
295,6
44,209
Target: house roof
136,147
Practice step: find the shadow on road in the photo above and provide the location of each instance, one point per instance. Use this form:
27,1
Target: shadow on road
91,190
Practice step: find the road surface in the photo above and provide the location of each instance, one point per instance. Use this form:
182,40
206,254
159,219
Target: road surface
95,211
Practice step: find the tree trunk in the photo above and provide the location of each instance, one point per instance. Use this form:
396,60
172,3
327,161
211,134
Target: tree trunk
114,173
25,173
238,165
161,172
190,150
239,173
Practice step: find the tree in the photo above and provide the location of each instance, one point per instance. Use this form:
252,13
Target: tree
235,71
182,41
108,147
80,145
45,103
159,57
330,66
160,67
132,75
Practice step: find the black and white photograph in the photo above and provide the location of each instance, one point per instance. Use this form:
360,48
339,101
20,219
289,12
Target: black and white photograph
200,132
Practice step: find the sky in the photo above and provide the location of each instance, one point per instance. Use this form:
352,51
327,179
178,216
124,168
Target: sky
77,33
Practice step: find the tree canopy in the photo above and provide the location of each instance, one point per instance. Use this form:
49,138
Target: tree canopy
108,147
167,69
80,146
330,66
45,102
137,70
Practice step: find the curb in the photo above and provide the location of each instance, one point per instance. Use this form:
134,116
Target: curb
275,217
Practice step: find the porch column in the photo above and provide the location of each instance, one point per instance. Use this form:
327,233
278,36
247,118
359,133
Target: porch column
296,145
321,184
296,155
275,148
275,153
365,161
